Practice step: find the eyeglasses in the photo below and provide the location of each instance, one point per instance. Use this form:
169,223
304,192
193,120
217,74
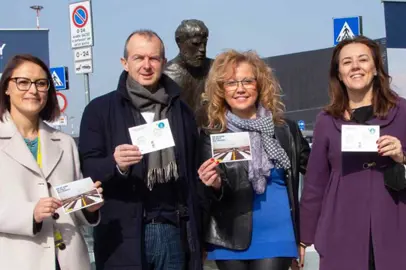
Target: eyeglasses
249,84
24,84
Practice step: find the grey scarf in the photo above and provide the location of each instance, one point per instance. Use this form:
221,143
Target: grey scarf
162,166
266,151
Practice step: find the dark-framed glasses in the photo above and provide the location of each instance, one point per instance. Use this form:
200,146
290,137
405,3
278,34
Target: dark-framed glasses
24,84
248,83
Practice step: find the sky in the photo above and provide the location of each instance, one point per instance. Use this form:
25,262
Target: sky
271,27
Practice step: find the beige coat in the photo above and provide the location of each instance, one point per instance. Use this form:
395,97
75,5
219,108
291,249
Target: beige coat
22,184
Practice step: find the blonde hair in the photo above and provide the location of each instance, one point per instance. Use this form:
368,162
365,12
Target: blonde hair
269,90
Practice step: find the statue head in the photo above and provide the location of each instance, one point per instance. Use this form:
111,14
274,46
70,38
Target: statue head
191,37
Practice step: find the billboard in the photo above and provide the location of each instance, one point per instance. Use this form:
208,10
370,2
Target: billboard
395,14
17,41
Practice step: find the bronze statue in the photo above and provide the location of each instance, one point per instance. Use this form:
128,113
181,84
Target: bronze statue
190,67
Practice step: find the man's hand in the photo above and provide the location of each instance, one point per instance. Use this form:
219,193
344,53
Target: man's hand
126,155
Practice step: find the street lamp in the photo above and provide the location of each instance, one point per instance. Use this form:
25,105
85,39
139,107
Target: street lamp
37,9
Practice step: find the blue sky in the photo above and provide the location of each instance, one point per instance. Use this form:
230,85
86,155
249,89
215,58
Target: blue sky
271,27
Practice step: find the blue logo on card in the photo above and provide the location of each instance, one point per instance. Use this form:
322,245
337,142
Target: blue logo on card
372,130
161,125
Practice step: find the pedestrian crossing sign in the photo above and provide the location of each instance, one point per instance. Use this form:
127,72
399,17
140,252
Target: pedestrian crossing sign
347,28
59,76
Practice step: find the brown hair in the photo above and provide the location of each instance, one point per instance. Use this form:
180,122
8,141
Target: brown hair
383,99
268,87
51,110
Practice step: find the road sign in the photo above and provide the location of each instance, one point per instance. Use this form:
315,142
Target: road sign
60,77
62,101
346,28
82,54
61,121
84,67
81,30
301,124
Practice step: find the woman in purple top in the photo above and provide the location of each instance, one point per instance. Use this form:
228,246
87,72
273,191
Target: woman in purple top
354,220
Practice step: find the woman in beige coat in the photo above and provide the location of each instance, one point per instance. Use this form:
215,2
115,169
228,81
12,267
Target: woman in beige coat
34,231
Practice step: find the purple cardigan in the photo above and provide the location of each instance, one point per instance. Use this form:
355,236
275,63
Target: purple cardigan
342,203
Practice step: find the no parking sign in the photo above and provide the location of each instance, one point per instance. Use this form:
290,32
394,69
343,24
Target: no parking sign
81,24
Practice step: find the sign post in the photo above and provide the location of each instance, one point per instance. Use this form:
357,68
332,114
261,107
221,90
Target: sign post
60,77
347,28
81,30
62,101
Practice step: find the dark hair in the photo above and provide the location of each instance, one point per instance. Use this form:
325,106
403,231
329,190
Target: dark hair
145,33
190,28
383,99
51,110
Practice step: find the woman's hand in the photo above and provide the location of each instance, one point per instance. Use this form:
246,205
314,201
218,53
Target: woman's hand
297,265
45,207
390,146
97,206
209,175
302,253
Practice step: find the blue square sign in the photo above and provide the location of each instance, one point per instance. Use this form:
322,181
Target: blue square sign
60,77
347,28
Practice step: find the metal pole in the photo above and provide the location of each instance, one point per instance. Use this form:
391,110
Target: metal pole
87,88
37,9
37,19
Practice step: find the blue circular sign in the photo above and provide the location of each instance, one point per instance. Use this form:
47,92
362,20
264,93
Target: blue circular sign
80,16
161,125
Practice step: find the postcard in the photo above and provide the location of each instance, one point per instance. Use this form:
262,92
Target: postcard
78,195
359,138
231,147
152,137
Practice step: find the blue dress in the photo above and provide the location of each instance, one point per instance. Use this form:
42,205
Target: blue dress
272,231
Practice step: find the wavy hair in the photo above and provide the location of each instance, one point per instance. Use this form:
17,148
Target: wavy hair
383,98
269,90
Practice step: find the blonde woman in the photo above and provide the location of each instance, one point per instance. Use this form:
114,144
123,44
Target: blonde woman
253,204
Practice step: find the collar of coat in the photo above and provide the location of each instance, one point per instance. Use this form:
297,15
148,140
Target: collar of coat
171,87
13,145
382,122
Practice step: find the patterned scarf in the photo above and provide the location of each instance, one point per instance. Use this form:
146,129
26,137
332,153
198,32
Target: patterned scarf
266,150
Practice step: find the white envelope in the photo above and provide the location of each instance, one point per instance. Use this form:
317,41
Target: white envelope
152,137
359,138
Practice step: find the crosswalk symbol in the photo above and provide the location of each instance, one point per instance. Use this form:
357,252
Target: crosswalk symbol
345,33
56,79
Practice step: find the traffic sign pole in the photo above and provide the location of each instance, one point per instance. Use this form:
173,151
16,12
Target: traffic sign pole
87,88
